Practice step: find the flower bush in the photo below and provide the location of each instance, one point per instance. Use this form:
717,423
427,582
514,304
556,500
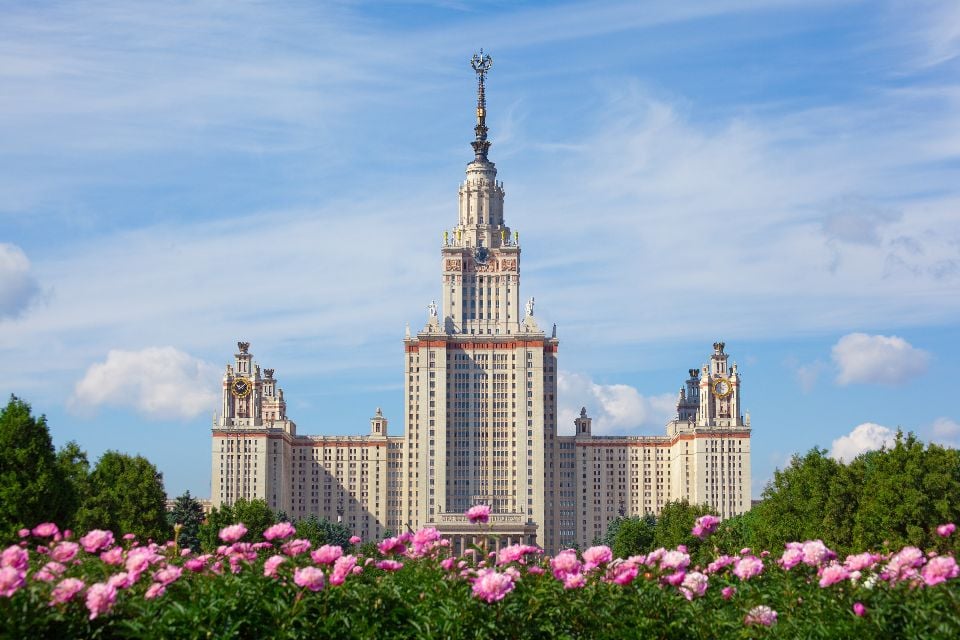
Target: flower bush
412,586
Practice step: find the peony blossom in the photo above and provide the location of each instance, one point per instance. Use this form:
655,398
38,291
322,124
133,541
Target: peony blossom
342,568
478,514
694,585
271,565
623,573
832,574
391,545
96,540
727,592
705,525
14,556
904,564
46,530
11,580
675,579
309,578
564,564
100,599
112,556
860,561
748,567
279,531
491,586
575,581
155,590
393,565
720,563
168,575
293,548
49,572
946,530
327,554
515,553
595,556
233,533
859,609
762,615
816,553
65,591
65,551
677,560
355,539
939,569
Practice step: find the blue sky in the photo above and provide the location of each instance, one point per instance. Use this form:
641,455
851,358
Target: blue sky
780,175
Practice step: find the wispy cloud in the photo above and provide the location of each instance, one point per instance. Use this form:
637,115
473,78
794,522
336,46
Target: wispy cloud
18,286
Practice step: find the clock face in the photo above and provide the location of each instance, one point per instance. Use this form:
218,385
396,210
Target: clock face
481,255
241,387
722,388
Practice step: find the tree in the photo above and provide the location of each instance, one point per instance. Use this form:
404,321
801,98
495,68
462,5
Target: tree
321,532
126,496
906,492
675,523
188,513
631,536
75,467
32,485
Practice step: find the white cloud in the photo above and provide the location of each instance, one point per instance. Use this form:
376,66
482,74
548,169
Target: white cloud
615,408
868,436
17,284
160,382
945,432
876,359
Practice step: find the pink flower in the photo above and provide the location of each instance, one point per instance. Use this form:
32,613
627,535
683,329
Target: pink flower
129,536
595,556
14,556
748,567
761,614
425,536
309,578
720,563
327,554
574,581
112,557
515,553
65,551
155,590
168,574
393,565
535,570
391,545
564,564
233,533
832,574
272,564
859,609
65,591
903,565
623,574
673,560
46,530
705,525
355,539
23,533
448,563
100,599
196,565
278,531
860,561
11,580
946,530
792,556
96,540
122,580
479,514
694,585
50,572
675,579
727,592
816,553
491,586
293,548
342,568
940,569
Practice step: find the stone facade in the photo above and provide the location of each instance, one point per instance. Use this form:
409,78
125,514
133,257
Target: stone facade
480,418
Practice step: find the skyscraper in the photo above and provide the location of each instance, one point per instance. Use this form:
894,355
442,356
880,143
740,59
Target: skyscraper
480,417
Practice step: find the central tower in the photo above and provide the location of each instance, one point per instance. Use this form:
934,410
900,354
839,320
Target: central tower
480,384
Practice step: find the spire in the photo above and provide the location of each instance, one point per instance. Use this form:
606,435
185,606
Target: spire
481,64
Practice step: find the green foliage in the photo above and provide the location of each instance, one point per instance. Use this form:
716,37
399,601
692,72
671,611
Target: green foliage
33,488
125,495
188,513
631,536
891,497
75,468
322,531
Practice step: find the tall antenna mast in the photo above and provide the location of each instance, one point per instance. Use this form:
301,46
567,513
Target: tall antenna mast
481,64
